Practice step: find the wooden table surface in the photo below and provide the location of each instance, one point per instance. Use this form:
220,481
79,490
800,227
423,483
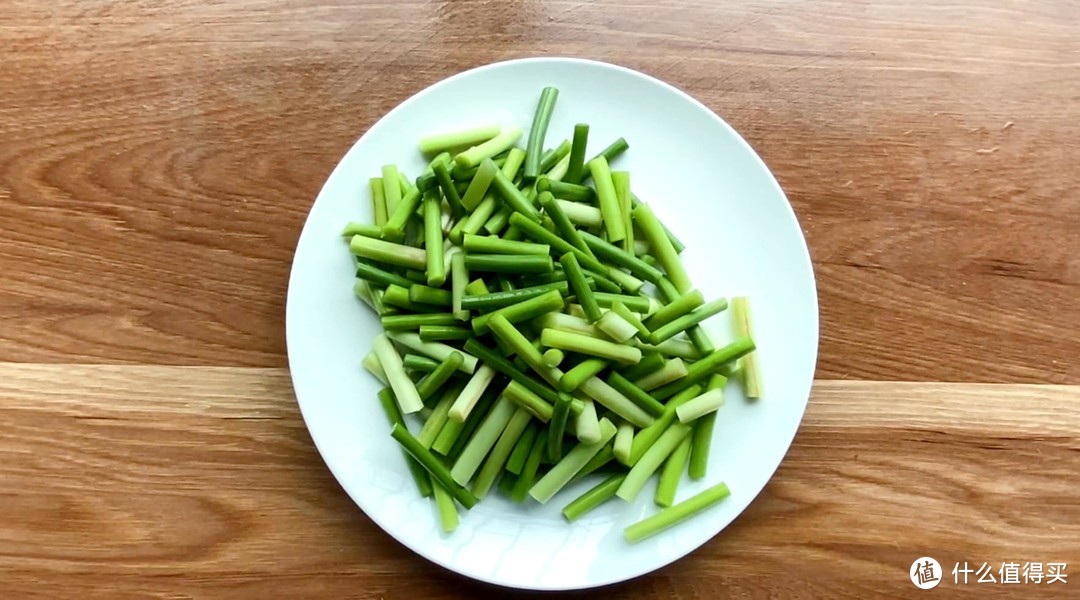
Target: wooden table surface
158,159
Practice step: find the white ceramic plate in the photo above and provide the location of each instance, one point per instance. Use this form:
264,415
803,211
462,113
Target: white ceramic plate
702,180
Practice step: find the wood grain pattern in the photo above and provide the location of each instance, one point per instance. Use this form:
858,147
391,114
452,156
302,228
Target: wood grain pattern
170,482
159,159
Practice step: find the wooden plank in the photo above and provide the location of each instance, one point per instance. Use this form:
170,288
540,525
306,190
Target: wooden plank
153,481
159,159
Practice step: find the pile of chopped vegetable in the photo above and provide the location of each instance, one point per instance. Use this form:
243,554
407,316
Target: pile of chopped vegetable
543,328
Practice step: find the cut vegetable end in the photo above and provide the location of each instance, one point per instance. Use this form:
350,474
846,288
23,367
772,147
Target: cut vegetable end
553,357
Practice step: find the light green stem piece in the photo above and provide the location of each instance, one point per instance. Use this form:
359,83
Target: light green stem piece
553,357
613,400
570,323
372,364
434,424
599,494
672,370
614,224
479,185
482,441
468,398
496,145
672,473
644,468
670,517
433,239
565,469
624,441
444,504
378,202
459,278
580,214
496,460
388,252
617,328
688,320
574,342
408,398
700,406
678,307
434,144
436,350
749,366
621,181
661,247
391,188
588,425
